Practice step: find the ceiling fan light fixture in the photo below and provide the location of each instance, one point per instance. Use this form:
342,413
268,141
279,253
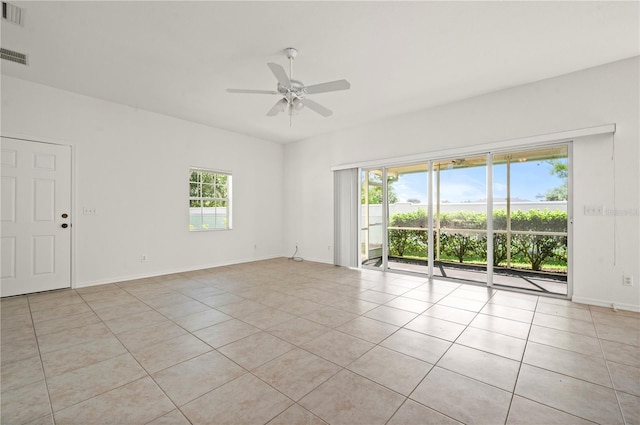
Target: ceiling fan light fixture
282,104
297,104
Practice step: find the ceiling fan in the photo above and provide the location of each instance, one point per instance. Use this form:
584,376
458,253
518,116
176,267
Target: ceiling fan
294,93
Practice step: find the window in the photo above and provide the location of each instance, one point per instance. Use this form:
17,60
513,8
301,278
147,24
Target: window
209,200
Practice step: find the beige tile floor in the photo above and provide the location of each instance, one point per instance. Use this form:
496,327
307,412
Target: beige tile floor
284,342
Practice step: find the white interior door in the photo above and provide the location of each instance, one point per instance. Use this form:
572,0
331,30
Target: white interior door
36,217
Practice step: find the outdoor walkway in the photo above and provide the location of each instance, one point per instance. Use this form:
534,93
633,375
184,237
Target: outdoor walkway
511,279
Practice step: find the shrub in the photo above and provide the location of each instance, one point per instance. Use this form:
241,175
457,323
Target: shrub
402,242
459,245
499,247
464,220
539,220
536,249
532,249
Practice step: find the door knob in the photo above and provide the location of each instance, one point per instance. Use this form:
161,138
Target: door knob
65,225
65,215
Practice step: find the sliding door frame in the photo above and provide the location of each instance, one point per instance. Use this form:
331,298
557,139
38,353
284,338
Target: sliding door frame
489,229
431,176
385,220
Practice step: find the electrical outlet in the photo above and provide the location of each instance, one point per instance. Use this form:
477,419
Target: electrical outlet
593,210
627,280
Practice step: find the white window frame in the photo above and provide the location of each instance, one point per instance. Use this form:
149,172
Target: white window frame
226,200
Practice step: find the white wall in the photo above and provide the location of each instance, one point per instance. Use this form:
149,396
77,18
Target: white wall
605,247
132,166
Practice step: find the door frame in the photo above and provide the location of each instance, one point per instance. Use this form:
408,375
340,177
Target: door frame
72,188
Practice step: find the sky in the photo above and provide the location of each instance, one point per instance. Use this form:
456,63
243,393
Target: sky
528,180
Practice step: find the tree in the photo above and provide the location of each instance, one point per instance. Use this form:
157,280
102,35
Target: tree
560,169
375,195
208,189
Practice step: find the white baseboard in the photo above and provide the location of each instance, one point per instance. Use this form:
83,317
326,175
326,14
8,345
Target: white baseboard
316,260
157,273
601,303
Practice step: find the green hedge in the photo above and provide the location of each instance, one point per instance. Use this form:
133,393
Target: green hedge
533,250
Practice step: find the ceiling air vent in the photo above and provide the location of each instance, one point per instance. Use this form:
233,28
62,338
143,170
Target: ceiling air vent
12,56
12,13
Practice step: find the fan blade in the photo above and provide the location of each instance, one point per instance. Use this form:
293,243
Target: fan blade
252,91
315,106
280,74
280,106
325,87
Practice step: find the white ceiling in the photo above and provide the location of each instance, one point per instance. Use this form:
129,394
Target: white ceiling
177,58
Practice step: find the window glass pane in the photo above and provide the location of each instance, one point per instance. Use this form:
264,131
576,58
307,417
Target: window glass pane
460,218
408,233
195,222
208,191
194,190
195,215
371,213
207,177
209,200
207,219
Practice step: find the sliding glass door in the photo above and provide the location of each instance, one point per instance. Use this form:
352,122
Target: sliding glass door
408,225
460,218
371,219
498,218
530,219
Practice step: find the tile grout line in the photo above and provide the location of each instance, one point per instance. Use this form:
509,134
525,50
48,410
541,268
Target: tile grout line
247,371
524,351
148,375
606,363
341,368
44,375
408,397
559,373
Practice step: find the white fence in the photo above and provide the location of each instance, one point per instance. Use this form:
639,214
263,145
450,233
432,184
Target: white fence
375,212
404,207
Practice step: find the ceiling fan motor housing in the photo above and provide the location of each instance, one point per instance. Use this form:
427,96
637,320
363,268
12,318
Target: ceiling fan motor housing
296,88
290,52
